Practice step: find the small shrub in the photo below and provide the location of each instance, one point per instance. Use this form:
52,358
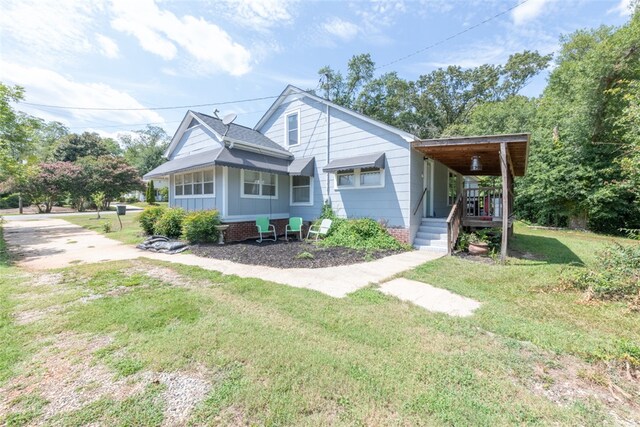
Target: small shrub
106,227
364,233
149,217
150,195
200,226
170,223
305,255
615,275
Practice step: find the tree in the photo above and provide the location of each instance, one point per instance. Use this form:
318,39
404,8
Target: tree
98,200
47,183
88,144
145,151
150,196
111,175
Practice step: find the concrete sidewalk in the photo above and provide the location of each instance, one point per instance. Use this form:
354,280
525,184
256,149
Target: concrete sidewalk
38,216
55,243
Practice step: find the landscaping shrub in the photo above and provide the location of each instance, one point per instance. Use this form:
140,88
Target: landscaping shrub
149,217
614,276
11,201
200,226
170,223
363,233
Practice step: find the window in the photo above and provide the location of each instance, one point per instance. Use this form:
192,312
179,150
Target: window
258,184
301,190
360,178
452,188
195,184
292,128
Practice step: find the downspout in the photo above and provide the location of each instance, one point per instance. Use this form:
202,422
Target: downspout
328,153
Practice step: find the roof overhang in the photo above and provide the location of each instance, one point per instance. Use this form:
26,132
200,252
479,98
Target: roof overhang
302,167
456,152
374,160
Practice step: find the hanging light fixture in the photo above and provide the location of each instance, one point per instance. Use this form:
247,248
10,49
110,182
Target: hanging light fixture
476,166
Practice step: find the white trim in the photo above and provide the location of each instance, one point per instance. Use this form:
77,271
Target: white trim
286,127
197,196
356,179
257,196
225,190
252,217
310,202
290,89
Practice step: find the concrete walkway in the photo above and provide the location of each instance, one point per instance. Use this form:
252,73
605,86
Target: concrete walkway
429,297
39,216
55,243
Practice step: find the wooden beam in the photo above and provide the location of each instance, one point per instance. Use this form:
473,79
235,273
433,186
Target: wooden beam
510,162
505,201
489,139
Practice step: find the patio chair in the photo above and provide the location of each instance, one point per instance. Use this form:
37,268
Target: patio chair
264,228
320,230
294,226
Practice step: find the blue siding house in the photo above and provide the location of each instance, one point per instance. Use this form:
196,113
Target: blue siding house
304,152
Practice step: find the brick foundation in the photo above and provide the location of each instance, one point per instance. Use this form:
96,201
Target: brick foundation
239,231
400,234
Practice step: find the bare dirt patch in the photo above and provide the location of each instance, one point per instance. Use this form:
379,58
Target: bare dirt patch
164,274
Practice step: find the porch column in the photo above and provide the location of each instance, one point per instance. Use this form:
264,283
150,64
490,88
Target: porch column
504,169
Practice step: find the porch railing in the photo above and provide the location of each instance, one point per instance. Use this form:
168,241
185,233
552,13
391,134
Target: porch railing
454,223
483,202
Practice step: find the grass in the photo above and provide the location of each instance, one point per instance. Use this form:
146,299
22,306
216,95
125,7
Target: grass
130,233
277,355
145,204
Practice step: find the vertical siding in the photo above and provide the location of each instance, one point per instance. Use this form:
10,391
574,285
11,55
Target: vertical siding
250,206
349,136
196,203
195,139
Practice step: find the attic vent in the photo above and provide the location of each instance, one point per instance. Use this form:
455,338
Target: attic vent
193,123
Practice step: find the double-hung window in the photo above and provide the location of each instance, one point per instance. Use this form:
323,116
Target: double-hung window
258,184
194,184
360,178
301,190
292,128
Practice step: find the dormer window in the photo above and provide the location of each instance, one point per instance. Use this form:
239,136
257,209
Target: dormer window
292,128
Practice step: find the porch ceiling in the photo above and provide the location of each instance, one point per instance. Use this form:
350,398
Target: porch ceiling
456,152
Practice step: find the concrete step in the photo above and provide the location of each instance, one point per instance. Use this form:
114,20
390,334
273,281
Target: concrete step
431,236
429,242
430,248
432,230
432,221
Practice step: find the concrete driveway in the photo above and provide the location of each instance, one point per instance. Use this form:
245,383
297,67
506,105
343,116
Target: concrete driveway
54,243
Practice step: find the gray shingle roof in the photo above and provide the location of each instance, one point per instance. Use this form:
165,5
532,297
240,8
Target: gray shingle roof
240,133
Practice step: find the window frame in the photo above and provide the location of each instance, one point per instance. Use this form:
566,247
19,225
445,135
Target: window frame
291,187
356,172
286,127
202,183
260,186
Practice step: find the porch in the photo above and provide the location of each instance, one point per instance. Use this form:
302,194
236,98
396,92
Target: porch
488,155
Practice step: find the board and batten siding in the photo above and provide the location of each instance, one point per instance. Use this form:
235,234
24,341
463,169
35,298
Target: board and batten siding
239,207
198,203
349,136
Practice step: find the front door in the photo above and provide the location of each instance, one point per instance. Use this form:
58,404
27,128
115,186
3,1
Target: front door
428,186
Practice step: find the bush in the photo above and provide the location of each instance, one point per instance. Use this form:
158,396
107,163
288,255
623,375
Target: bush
200,226
170,223
614,276
11,202
363,233
149,218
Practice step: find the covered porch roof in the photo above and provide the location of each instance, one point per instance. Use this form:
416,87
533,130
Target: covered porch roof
456,152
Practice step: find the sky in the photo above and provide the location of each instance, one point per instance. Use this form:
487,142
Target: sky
119,58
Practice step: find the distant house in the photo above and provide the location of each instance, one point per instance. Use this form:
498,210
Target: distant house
158,185
306,151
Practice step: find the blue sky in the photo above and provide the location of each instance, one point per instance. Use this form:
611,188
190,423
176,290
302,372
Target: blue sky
137,54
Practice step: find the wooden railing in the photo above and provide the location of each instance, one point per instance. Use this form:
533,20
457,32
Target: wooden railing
454,223
483,202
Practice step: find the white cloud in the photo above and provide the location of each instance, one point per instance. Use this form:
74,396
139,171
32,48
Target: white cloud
108,47
345,30
623,8
161,32
260,14
48,87
529,11
46,30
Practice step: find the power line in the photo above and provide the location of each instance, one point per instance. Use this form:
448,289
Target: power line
459,33
177,107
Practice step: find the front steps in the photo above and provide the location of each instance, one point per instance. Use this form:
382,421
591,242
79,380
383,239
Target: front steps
432,235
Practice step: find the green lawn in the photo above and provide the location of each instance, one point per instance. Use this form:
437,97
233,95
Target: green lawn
131,232
145,204
275,355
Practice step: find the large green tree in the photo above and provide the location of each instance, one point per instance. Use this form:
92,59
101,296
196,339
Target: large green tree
74,146
145,150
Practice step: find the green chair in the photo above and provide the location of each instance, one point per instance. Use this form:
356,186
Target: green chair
294,226
265,228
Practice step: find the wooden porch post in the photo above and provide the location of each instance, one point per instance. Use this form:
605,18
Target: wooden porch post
504,168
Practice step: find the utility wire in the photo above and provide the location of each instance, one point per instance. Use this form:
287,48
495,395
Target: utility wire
452,36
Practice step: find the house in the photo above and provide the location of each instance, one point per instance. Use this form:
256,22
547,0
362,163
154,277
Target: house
306,151
158,185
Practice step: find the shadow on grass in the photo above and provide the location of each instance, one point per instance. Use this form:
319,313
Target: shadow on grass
547,250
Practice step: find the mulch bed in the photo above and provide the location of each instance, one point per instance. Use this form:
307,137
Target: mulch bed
282,254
